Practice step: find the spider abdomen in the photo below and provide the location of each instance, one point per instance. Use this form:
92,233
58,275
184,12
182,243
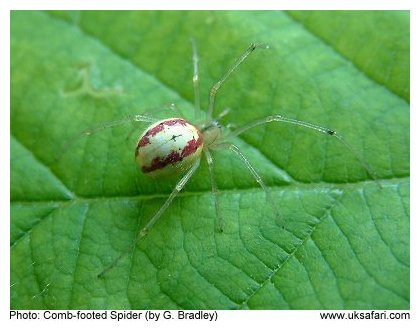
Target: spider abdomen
169,146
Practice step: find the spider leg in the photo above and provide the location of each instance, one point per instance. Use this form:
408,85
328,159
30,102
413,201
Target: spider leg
314,127
143,232
196,80
214,189
153,112
223,113
164,107
90,131
254,173
229,71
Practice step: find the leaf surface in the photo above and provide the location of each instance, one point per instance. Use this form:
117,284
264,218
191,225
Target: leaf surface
341,241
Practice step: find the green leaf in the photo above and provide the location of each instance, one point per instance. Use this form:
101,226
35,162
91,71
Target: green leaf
342,240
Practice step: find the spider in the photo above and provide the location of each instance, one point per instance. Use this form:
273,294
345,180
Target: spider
176,146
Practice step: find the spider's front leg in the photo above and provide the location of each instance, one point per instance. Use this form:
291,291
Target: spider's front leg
215,88
196,80
313,127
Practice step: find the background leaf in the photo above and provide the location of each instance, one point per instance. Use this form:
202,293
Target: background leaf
343,242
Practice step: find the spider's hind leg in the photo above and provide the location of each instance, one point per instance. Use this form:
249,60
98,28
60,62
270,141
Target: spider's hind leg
144,231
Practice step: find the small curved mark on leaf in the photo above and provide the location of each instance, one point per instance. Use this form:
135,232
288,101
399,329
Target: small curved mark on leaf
84,85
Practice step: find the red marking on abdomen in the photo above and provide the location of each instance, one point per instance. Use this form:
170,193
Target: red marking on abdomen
159,163
192,145
143,141
156,129
174,156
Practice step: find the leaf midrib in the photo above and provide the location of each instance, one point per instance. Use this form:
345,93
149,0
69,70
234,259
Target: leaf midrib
316,187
